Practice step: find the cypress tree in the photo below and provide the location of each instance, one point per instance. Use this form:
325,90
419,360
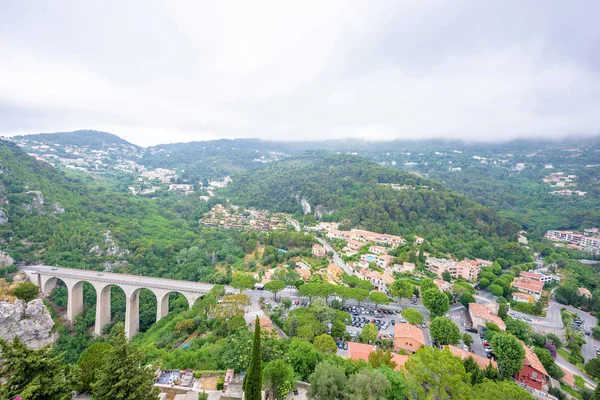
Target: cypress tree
253,379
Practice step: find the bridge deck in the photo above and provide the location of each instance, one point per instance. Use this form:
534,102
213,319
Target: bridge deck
119,279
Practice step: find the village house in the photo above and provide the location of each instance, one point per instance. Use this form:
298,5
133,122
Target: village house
378,250
534,288
405,268
522,297
318,251
380,281
354,245
533,373
361,351
303,270
334,271
381,261
480,315
419,240
408,338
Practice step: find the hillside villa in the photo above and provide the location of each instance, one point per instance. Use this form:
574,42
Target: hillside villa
381,261
318,251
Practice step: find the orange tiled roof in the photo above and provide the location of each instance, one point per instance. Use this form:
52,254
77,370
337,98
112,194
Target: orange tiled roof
532,360
481,361
361,351
403,330
483,312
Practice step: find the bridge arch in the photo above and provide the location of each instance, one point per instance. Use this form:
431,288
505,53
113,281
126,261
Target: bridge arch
47,277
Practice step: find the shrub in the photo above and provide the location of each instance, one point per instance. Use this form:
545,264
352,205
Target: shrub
220,383
26,291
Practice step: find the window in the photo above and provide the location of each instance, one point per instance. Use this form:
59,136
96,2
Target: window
534,375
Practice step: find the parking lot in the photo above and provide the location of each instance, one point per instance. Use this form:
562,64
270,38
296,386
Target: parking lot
384,319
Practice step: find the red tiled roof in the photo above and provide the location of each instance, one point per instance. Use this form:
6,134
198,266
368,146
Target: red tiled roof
529,285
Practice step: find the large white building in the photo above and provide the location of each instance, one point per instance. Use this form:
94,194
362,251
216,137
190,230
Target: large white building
574,238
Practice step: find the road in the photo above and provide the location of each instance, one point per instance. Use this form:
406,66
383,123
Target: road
561,362
336,257
588,351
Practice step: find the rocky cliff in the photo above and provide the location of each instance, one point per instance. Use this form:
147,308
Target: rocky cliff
31,322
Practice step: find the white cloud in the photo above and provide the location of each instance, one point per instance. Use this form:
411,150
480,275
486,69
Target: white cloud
161,72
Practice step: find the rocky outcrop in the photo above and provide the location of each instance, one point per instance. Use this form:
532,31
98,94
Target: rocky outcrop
5,259
31,322
37,201
305,206
57,209
3,217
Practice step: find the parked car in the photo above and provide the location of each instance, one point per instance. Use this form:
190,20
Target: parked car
471,329
345,345
393,322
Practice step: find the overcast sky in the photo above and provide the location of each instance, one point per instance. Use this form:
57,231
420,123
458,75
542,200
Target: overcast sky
167,71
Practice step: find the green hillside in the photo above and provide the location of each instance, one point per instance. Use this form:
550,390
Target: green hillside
358,193
59,218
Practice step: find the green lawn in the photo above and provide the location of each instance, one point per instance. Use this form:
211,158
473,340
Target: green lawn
565,354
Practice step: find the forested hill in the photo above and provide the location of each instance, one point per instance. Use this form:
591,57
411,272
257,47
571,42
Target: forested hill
93,139
59,218
358,193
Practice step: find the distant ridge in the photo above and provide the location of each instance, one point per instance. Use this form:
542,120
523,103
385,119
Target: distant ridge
79,138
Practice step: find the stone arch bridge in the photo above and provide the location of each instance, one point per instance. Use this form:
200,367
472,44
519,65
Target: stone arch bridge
46,278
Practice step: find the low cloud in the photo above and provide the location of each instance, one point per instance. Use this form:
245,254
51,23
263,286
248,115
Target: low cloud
155,72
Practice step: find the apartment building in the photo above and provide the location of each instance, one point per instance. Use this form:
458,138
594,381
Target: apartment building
466,269
535,276
524,285
574,238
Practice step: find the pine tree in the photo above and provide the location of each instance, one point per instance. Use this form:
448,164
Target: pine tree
122,376
33,374
253,379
